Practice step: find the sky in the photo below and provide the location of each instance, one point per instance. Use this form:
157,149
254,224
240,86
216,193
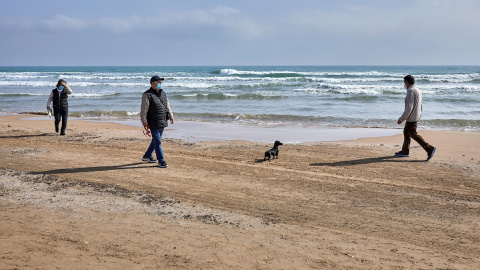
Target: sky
241,32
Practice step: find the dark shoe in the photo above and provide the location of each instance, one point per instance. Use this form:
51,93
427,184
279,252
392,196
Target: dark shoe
431,152
56,129
149,159
402,154
62,132
162,164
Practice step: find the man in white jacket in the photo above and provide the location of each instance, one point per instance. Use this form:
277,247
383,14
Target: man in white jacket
412,113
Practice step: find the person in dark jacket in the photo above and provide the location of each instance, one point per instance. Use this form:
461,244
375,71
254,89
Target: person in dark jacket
59,96
155,113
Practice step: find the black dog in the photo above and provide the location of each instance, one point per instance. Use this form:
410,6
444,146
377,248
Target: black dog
272,153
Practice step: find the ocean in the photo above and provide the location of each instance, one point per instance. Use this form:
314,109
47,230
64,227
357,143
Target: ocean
333,96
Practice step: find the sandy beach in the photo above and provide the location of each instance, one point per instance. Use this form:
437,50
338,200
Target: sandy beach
87,201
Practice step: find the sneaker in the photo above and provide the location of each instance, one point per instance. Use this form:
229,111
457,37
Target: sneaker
431,152
149,159
402,154
162,164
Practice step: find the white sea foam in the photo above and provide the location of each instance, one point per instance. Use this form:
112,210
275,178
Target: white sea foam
108,84
250,72
25,94
100,94
239,72
52,84
191,85
9,76
359,80
228,79
28,83
107,77
450,78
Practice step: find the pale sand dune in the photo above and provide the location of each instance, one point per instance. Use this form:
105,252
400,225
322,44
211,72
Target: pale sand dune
86,201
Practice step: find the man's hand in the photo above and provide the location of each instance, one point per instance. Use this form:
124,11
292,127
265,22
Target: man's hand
48,108
145,125
172,120
399,121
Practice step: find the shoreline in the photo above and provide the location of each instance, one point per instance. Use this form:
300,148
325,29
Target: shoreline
204,131
130,120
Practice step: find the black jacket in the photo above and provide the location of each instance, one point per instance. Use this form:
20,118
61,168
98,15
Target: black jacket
157,114
60,102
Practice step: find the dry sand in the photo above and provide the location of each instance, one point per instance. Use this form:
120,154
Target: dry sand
86,201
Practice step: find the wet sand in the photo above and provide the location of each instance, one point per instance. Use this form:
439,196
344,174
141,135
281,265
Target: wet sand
86,201
190,131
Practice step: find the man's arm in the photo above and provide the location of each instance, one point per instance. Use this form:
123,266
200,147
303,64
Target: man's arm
144,110
409,100
68,91
50,98
170,113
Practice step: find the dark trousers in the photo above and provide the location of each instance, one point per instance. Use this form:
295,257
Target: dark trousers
410,132
60,115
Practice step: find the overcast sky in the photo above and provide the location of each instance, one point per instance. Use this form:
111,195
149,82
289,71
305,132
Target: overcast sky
241,32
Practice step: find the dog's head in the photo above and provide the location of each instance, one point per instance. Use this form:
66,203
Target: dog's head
277,143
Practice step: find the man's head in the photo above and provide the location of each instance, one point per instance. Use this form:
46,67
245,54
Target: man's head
155,80
409,80
61,82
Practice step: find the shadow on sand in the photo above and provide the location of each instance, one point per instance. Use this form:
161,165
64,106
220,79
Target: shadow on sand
28,136
98,169
367,161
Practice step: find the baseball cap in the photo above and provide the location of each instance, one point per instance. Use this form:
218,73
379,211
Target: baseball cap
156,78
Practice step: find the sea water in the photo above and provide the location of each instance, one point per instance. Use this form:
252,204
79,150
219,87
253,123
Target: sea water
338,96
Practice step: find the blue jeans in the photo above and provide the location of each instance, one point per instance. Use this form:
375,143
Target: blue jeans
61,115
156,144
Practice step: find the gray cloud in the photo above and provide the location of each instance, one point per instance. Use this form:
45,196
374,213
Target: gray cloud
220,18
431,18
55,23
